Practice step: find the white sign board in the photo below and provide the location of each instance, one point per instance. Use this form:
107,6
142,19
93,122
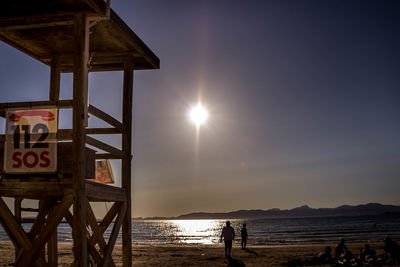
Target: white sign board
31,140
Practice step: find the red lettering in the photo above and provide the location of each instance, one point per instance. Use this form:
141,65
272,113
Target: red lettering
45,160
17,158
35,159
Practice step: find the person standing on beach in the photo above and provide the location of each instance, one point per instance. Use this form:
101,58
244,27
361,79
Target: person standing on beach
244,235
229,235
340,249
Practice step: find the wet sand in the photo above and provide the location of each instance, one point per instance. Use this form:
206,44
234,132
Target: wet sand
198,255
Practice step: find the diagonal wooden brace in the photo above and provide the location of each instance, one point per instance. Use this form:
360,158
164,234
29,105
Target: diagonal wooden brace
40,220
107,220
16,233
114,234
91,243
98,237
32,254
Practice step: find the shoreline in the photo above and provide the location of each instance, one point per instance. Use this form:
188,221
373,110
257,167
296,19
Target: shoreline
197,255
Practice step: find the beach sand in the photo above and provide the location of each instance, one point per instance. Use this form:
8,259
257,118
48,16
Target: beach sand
197,255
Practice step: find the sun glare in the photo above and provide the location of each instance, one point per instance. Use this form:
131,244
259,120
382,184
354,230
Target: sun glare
198,115
196,231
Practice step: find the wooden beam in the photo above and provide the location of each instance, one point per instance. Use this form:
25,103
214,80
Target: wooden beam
104,57
109,61
107,220
100,7
66,134
126,162
101,192
52,244
17,214
132,38
40,219
17,209
42,253
15,239
59,104
69,218
95,254
103,146
37,245
95,67
55,74
36,25
30,209
105,117
97,233
98,237
34,189
108,8
98,230
92,240
53,17
108,156
10,235
103,131
117,65
80,96
15,232
92,250
114,233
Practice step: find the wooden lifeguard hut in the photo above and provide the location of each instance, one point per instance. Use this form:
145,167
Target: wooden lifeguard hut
78,36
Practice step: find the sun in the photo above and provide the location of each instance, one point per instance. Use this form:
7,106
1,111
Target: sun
198,115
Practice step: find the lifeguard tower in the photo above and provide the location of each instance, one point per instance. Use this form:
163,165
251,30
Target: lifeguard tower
78,36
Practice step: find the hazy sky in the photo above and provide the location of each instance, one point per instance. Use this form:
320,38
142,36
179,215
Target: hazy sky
303,99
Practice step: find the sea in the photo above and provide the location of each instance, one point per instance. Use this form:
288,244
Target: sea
262,232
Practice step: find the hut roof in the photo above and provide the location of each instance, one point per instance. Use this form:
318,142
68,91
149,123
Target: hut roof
44,29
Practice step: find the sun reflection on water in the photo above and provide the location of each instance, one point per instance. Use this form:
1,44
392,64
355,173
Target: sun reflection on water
195,231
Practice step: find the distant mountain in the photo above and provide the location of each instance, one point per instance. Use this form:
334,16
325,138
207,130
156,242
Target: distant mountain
303,211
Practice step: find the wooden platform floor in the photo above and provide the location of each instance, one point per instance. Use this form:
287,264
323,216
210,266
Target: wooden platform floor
37,188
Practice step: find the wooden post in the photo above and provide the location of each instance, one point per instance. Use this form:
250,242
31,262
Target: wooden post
55,80
17,209
126,162
80,96
54,97
17,214
42,204
52,247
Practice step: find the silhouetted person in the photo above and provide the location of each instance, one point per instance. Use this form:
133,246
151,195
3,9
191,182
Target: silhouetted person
324,257
348,259
229,235
368,255
244,235
340,249
392,250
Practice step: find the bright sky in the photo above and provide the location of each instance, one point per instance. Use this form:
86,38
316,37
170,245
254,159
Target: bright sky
303,100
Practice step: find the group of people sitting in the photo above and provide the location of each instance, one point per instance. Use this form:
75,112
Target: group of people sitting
344,257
